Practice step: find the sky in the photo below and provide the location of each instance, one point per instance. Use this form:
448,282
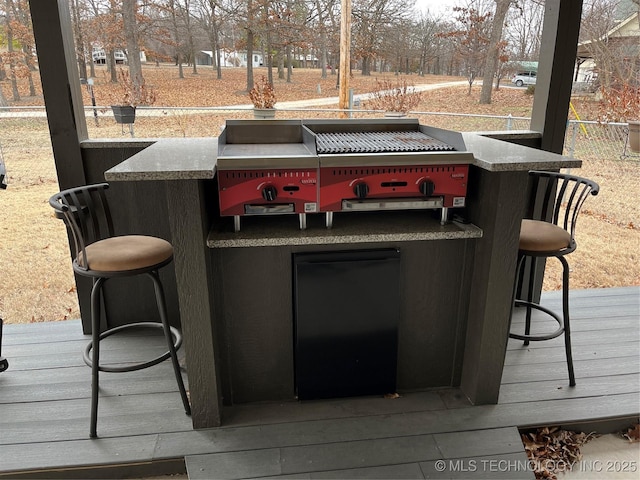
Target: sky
436,6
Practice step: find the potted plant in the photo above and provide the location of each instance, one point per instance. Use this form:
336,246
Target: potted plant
132,94
396,100
264,98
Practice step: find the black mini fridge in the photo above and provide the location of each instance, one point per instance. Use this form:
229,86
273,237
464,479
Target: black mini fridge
346,313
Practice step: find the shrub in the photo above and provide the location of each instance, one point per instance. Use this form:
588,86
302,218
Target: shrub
619,104
390,97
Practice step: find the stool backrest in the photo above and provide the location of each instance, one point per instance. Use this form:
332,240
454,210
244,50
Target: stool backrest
85,211
560,197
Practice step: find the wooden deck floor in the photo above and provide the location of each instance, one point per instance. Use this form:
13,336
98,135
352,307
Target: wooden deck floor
44,410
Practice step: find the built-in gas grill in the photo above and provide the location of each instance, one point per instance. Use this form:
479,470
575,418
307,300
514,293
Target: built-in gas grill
328,166
378,142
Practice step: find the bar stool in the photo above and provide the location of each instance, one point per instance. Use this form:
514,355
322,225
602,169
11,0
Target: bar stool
102,256
560,198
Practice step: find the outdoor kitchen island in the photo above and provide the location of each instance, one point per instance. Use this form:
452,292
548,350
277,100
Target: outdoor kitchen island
236,289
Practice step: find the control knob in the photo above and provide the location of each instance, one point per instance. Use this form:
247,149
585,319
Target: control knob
269,193
361,189
427,187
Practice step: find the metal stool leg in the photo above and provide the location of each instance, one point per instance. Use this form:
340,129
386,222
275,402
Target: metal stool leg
4,363
565,318
162,309
95,364
532,279
516,283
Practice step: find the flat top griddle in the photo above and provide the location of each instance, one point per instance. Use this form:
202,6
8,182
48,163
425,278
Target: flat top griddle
378,142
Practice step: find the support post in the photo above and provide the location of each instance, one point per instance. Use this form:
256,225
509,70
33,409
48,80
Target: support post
345,56
555,71
61,87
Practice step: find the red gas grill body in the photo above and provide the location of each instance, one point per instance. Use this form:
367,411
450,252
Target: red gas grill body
349,183
392,166
309,166
242,190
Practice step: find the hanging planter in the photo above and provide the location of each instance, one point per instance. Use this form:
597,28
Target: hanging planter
124,114
133,92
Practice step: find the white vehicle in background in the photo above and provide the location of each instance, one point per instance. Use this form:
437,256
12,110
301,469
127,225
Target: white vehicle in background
524,78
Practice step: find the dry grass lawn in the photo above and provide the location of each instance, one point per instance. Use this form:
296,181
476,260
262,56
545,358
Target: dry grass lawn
36,280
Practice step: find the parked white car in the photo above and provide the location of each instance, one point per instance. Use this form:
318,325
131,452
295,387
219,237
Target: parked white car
524,78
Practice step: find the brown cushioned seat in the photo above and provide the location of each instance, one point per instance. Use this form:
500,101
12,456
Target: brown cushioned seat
126,253
539,236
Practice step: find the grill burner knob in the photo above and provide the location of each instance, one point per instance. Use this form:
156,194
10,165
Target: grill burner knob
361,190
269,193
427,188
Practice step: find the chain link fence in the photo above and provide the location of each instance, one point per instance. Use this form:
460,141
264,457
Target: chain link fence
587,140
597,141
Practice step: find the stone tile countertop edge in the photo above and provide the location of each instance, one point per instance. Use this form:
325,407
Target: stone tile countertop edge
195,159
170,159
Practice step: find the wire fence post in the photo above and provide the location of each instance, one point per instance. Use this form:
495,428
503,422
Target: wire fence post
350,102
574,134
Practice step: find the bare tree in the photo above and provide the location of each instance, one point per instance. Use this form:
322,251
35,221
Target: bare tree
251,14
472,35
427,28
525,29
23,34
78,33
213,14
370,19
11,54
129,11
495,48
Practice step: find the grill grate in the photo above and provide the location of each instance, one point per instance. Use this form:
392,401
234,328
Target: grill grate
378,142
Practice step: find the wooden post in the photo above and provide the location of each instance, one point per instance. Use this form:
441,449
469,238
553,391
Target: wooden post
345,51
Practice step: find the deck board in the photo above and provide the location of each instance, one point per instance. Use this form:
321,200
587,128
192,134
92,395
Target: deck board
44,405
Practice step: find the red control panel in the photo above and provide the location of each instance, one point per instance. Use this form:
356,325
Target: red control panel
384,182
242,190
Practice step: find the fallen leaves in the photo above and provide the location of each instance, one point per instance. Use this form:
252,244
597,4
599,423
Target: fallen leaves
552,450
633,434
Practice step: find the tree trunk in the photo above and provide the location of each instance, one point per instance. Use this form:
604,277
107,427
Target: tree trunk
80,46
129,8
3,99
216,49
180,69
323,55
111,66
12,61
289,64
365,66
249,59
493,57
218,66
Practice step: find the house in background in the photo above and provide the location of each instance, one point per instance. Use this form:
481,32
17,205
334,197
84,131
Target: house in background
624,39
229,58
99,55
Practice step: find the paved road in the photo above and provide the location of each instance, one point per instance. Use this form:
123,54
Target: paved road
39,112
